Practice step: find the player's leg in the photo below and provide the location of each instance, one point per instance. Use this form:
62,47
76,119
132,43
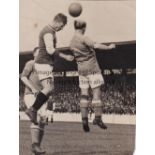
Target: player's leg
98,108
49,116
42,121
29,100
36,130
37,133
84,102
41,98
90,112
45,76
96,82
49,110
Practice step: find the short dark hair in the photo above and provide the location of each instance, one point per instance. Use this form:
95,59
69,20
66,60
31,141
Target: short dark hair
79,24
35,49
61,18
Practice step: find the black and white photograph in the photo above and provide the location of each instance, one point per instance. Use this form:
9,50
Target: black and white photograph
77,77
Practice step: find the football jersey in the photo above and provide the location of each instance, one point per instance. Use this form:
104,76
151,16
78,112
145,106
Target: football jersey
85,54
43,57
30,72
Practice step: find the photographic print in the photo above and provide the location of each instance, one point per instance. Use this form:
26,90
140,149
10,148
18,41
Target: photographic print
77,77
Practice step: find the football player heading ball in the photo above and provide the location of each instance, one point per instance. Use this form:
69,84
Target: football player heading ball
89,73
44,62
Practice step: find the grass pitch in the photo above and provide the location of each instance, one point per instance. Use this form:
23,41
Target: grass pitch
65,138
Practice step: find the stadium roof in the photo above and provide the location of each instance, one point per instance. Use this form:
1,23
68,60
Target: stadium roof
108,21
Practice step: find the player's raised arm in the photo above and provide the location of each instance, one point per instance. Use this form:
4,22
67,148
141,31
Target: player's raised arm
100,46
104,47
48,39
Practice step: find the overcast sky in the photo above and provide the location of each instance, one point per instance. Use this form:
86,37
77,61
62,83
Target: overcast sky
107,21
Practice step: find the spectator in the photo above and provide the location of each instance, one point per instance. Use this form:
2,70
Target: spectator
66,98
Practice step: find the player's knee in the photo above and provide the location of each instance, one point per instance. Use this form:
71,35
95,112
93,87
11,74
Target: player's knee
84,92
48,89
97,103
34,126
84,101
97,94
42,123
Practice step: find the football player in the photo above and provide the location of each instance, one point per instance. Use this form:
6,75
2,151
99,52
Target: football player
89,73
45,60
32,87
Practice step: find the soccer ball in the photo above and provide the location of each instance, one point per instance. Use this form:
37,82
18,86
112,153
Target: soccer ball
75,9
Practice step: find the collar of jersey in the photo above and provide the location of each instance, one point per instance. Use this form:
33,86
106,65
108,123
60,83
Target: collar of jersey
51,27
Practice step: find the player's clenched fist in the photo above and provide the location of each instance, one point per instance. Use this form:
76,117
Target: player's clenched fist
69,58
112,46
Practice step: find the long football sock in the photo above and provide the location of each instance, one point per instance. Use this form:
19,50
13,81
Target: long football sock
85,124
41,134
35,134
98,111
40,100
97,104
84,112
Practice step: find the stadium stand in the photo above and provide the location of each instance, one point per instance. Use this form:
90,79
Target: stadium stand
117,97
118,93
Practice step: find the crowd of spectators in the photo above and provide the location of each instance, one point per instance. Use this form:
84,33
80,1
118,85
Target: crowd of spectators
118,98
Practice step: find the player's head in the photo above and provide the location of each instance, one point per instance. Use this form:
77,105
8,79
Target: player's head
59,21
80,25
35,52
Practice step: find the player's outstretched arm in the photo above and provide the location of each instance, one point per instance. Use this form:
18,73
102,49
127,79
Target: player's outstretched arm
104,47
95,45
66,57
